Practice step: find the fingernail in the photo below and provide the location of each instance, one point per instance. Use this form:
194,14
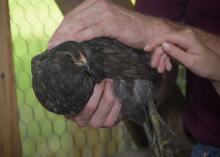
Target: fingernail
169,67
166,46
147,48
160,70
153,64
80,122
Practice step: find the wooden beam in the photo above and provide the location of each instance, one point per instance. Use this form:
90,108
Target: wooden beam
9,129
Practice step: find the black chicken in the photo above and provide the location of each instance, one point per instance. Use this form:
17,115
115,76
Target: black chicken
64,78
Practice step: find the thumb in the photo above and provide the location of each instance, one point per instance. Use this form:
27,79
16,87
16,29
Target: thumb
177,38
177,53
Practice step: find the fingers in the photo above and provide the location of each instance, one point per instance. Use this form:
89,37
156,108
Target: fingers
105,106
114,115
157,53
83,118
76,22
183,41
102,109
177,53
168,64
108,110
160,60
161,67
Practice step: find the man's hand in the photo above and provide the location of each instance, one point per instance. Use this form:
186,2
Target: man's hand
102,109
187,48
98,18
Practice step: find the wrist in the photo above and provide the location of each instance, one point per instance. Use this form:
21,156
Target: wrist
151,27
157,26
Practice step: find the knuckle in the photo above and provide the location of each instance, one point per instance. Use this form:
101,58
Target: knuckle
90,109
108,99
110,81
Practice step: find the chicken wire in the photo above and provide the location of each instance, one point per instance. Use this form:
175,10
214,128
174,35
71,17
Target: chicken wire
44,134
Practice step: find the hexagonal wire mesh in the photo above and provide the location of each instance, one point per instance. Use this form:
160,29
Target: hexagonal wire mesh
44,134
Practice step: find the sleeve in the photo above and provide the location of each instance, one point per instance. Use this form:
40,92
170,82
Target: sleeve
170,9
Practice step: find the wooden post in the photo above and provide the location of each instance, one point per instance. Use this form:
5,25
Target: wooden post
9,129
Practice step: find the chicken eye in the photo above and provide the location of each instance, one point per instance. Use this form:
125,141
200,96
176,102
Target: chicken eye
79,60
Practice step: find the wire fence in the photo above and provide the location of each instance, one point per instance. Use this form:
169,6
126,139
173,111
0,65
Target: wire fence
44,134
